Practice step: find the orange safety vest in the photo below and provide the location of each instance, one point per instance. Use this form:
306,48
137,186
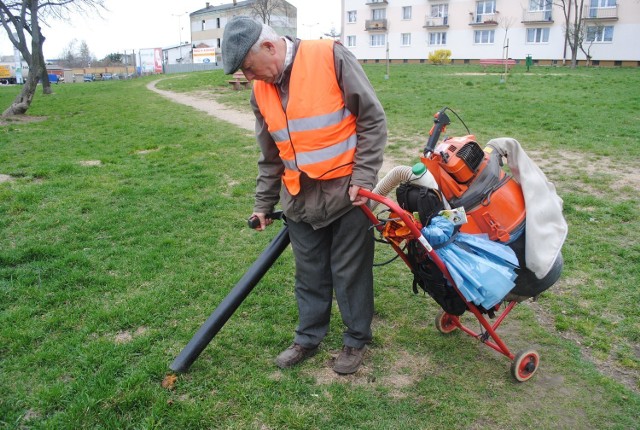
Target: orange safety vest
317,133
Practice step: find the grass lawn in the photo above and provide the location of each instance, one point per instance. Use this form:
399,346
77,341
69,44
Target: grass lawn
123,225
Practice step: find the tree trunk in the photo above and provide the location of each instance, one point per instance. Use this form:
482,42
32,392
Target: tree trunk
44,75
574,41
23,100
37,42
574,51
37,67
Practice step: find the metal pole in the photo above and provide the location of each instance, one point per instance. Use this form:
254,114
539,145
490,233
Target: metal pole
228,306
506,57
387,75
180,38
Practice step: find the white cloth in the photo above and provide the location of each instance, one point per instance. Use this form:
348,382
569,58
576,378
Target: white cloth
546,228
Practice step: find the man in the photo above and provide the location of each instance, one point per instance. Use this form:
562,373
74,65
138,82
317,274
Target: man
322,132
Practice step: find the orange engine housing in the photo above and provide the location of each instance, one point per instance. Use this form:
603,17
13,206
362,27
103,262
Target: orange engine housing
473,178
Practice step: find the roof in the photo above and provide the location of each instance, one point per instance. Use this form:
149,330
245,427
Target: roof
224,7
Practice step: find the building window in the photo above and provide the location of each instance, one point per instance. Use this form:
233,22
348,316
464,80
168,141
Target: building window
539,5
483,36
351,41
543,6
377,14
439,38
352,16
595,5
600,33
202,26
439,10
217,22
406,12
603,3
377,40
440,13
537,35
406,39
485,8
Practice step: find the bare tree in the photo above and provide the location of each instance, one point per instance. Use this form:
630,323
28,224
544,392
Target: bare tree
333,34
22,21
263,9
76,54
85,56
597,29
505,23
68,54
573,26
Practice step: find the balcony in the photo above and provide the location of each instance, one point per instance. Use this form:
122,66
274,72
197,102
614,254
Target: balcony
604,13
488,19
377,2
375,24
537,17
436,21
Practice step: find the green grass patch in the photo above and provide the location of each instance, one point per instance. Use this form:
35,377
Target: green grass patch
123,226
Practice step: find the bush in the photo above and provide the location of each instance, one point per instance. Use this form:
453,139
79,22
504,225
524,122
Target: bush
440,56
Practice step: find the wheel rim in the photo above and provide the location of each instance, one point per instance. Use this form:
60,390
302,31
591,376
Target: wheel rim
445,323
525,365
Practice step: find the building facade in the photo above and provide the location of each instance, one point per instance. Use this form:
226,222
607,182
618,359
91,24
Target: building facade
408,30
207,25
179,54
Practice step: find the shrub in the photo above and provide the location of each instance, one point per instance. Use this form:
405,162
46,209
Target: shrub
440,56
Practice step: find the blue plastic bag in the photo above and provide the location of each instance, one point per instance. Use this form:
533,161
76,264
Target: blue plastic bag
483,270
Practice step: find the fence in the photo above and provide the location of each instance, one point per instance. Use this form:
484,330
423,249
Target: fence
193,67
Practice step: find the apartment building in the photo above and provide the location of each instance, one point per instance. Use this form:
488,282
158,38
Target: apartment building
408,30
207,25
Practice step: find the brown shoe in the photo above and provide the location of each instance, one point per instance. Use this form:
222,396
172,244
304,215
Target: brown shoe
349,360
294,355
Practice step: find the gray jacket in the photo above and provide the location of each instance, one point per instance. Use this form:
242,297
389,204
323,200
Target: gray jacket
320,202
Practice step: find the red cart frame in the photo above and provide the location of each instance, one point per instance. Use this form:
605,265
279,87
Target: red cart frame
523,364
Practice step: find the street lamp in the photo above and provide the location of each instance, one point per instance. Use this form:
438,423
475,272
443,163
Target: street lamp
179,15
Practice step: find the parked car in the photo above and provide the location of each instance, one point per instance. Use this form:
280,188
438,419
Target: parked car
107,76
89,77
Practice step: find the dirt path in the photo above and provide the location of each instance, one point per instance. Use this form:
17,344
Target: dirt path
233,116
211,107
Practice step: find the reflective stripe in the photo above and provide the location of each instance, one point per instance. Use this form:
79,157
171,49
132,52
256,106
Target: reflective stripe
280,135
328,153
310,123
289,164
319,121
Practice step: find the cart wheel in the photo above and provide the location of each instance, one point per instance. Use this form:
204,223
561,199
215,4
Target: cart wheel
444,322
525,364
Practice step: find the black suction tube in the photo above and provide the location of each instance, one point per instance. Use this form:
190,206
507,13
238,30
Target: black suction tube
231,302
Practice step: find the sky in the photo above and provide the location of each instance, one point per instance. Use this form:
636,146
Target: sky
135,24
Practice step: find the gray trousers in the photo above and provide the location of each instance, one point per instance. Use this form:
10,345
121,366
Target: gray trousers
336,258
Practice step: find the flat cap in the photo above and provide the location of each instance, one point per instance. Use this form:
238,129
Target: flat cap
240,34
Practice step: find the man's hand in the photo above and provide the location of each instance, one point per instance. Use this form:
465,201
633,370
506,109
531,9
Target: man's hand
264,221
356,199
